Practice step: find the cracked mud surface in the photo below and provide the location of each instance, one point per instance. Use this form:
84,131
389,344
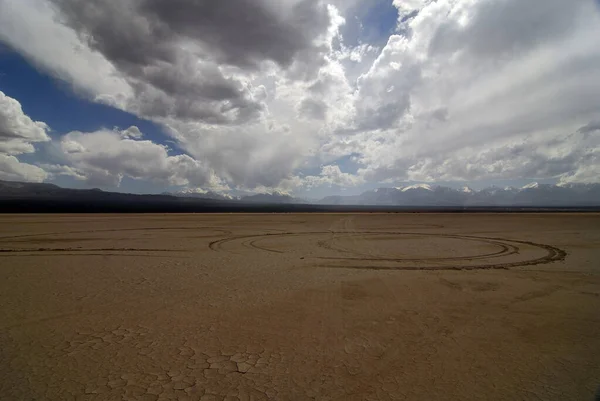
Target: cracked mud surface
300,307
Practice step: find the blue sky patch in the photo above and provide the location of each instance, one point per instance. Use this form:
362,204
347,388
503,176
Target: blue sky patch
372,23
52,101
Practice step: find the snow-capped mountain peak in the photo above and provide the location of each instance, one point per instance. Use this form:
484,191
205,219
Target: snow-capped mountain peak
432,195
533,185
202,194
426,187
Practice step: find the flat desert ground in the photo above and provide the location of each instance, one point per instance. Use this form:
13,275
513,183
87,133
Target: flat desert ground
300,307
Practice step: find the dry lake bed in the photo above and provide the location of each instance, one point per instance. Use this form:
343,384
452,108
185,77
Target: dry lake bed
300,307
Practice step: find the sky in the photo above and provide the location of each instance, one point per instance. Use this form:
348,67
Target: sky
306,97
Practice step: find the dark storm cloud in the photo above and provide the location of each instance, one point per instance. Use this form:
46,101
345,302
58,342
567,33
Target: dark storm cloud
243,32
237,32
171,51
192,90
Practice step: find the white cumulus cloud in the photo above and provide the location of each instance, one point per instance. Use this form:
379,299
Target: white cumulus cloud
18,133
104,157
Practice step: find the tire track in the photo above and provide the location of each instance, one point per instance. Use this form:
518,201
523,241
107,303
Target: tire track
218,244
507,247
85,250
218,231
506,250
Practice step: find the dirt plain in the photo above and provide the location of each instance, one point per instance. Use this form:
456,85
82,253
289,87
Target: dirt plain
300,307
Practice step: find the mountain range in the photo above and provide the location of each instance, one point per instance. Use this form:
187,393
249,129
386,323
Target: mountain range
419,195
533,194
272,197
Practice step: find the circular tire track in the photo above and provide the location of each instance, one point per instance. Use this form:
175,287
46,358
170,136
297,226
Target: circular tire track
507,247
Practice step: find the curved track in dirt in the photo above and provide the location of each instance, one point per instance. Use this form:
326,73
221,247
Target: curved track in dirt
501,258
111,230
24,244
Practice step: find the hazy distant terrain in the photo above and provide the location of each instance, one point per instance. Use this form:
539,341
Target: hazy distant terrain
18,196
300,306
530,195
533,194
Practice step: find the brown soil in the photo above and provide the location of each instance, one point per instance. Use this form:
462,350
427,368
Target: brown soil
300,307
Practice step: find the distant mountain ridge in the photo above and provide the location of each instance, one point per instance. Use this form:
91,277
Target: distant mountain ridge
419,195
28,190
533,194
272,197
201,195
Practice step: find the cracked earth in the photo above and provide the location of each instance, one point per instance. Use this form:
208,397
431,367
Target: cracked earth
300,307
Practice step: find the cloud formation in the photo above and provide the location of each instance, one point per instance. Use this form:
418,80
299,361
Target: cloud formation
18,133
104,157
257,92
190,59
474,82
